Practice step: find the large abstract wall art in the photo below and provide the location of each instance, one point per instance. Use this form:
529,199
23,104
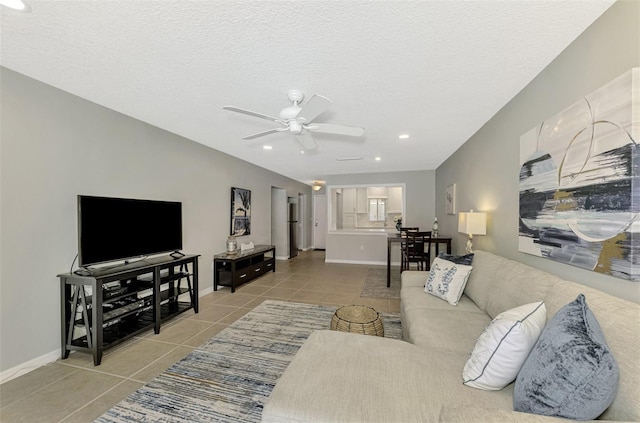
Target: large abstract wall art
580,182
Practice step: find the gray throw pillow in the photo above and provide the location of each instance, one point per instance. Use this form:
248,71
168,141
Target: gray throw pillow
466,259
570,372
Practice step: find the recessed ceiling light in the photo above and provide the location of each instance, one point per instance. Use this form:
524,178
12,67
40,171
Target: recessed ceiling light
267,147
17,5
403,136
301,151
378,158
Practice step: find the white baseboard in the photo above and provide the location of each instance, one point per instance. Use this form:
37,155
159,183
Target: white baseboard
27,366
206,291
373,263
282,257
43,360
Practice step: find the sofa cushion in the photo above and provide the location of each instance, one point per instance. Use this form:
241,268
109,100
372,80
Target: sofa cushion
446,330
414,278
503,347
346,377
447,280
416,298
412,294
517,284
571,372
466,259
481,280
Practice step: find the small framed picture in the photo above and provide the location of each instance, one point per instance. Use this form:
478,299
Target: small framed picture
240,212
450,199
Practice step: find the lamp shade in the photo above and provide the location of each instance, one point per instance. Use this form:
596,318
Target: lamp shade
472,223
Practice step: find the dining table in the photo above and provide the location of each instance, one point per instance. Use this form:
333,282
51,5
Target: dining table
397,238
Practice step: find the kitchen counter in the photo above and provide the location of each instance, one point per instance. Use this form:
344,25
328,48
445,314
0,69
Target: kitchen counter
360,246
364,231
374,246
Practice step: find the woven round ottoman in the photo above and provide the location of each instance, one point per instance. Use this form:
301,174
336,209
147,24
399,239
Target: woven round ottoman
357,319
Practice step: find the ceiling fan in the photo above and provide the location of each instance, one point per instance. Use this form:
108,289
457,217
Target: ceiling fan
299,120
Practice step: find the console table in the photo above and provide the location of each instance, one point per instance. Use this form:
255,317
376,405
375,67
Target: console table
113,304
396,238
233,269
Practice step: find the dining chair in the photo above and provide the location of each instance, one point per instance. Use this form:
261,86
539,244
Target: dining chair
403,243
417,250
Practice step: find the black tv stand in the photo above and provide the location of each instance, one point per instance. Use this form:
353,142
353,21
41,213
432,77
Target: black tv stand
177,254
113,304
233,269
82,272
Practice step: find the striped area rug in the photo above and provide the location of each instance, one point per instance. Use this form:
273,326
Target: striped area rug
230,377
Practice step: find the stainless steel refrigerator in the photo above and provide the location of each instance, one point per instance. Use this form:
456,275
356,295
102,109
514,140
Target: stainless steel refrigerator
293,223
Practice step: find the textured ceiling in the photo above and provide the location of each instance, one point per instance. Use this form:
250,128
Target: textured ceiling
435,69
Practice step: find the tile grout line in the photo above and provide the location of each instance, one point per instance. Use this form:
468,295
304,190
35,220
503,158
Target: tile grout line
94,399
43,387
315,278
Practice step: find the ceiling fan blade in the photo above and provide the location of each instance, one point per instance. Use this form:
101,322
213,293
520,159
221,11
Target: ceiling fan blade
314,107
328,128
307,141
261,134
250,113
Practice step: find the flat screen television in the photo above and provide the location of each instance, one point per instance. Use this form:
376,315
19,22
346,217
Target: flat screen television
112,229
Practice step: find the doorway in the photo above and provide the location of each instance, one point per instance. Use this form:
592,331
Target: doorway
292,221
319,222
303,219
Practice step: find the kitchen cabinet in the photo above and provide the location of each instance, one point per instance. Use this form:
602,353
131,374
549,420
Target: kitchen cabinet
377,192
361,200
349,221
349,200
394,202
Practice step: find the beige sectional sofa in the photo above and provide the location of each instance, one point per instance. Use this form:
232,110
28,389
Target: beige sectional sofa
344,377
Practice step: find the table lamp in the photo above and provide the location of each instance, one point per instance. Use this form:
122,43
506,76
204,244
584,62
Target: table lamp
472,223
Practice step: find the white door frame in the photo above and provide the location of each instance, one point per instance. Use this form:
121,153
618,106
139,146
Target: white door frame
313,224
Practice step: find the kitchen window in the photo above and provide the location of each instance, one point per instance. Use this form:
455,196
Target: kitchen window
377,209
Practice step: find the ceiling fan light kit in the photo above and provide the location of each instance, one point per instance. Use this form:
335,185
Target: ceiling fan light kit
300,120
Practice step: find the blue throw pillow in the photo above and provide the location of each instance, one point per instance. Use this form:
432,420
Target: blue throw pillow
466,259
570,372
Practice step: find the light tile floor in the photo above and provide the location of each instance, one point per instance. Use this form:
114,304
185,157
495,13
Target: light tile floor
74,390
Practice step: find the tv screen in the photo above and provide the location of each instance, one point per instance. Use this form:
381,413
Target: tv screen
111,229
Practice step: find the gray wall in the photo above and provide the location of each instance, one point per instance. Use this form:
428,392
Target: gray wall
279,222
485,169
55,146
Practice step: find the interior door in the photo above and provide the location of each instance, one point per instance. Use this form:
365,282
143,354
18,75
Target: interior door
319,221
